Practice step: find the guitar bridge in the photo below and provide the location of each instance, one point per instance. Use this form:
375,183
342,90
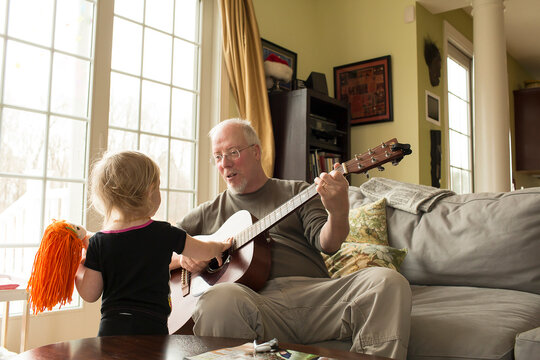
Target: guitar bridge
186,281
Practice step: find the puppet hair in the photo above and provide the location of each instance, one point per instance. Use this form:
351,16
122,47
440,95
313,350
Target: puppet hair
55,266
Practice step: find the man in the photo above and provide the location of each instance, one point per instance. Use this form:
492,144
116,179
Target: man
299,303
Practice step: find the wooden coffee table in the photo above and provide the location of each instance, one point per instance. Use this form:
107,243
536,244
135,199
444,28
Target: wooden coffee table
157,348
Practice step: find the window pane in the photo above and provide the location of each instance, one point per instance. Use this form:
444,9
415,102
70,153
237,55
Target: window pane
20,210
1,57
456,180
127,47
466,182
157,56
459,156
182,167
179,204
155,108
121,140
70,85
159,14
132,9
31,20
185,65
67,148
457,79
73,31
185,19
184,107
3,5
64,201
458,114
27,75
157,148
124,104
22,157
17,262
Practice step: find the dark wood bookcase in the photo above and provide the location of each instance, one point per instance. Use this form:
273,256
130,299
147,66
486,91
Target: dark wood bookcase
527,129
309,128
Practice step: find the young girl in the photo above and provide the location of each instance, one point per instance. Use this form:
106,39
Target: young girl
128,261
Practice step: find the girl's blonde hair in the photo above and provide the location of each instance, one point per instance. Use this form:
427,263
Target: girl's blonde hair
121,181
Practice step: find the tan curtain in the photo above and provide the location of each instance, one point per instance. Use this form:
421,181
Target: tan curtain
243,58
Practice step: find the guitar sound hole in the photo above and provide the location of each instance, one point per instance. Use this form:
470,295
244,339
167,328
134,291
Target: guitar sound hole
213,264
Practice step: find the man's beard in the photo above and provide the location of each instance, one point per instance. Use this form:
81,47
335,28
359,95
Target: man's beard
239,188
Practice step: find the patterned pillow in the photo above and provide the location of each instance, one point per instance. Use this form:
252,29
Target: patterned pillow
355,256
367,243
368,224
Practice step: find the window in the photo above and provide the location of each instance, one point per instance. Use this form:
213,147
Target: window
154,92
48,108
460,128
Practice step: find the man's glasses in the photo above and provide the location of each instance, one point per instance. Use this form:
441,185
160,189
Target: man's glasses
231,154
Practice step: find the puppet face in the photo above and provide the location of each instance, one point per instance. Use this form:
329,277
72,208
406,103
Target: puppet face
77,229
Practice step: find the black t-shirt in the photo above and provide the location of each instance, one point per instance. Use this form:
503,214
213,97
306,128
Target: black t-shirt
134,264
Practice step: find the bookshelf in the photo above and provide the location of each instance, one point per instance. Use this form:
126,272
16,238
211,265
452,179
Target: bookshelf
311,132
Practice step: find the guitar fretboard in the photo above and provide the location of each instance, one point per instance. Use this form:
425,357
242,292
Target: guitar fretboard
275,216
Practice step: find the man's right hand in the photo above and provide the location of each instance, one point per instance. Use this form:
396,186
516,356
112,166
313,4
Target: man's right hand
191,265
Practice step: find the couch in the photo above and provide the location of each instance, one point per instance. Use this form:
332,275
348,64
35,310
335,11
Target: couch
473,263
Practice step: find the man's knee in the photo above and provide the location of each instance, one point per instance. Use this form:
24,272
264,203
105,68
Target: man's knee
390,281
220,299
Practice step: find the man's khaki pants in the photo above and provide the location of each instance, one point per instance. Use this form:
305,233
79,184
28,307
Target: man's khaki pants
371,307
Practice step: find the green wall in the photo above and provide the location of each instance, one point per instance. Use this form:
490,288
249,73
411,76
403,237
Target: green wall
325,34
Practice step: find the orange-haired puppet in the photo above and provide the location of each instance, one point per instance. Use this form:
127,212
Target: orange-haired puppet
55,265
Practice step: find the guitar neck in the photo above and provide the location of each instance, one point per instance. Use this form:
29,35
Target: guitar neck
277,215
274,217
386,152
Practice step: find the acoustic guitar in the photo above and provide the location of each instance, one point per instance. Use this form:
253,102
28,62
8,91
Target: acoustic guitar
248,261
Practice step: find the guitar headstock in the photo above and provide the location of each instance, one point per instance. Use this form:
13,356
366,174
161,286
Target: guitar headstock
390,150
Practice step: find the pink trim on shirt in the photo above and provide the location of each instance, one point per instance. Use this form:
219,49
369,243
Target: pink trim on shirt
128,229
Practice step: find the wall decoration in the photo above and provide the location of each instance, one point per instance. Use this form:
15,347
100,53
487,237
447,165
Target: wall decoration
433,108
270,50
432,55
367,87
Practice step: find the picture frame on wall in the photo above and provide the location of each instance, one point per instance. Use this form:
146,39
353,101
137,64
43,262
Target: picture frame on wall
285,54
433,108
367,87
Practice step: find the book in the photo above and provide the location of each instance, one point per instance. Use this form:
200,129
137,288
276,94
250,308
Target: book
245,351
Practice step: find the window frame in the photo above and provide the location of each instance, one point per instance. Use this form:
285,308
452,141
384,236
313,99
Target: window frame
212,105
459,41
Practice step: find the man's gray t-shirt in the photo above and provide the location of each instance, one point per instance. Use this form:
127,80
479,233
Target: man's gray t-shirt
296,247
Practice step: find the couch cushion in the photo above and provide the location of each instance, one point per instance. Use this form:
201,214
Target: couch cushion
450,322
528,345
485,239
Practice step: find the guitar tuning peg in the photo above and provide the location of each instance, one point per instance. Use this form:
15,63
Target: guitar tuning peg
367,175
380,168
395,162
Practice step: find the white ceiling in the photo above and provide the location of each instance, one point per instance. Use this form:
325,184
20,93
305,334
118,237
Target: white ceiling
521,24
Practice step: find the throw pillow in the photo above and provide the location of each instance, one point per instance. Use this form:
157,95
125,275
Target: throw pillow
367,243
368,223
355,256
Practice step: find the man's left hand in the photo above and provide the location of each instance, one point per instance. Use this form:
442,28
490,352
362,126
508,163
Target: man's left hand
334,191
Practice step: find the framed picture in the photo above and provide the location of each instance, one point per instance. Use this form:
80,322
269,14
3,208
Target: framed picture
287,55
367,87
433,108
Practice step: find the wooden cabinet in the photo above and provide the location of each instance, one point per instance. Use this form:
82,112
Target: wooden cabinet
527,130
311,131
